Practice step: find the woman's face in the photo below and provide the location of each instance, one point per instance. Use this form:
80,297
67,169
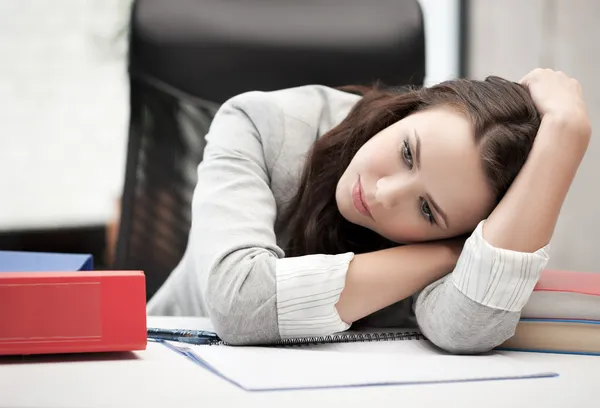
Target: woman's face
419,179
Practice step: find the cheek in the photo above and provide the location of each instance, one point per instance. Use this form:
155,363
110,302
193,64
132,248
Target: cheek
380,160
406,228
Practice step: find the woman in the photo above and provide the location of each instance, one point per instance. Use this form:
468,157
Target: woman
318,209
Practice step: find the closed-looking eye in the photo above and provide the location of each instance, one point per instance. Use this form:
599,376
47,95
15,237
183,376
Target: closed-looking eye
407,154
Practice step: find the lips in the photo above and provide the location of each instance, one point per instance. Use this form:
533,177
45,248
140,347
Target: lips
358,199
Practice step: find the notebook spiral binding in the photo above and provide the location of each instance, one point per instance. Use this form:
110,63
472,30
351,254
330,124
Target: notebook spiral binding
352,338
343,338
208,338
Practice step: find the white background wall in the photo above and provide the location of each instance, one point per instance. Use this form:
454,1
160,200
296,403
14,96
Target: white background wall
64,105
511,37
63,111
442,31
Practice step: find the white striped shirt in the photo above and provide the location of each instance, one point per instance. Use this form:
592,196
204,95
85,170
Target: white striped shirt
309,288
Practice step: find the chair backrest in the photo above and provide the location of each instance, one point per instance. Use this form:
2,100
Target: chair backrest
189,56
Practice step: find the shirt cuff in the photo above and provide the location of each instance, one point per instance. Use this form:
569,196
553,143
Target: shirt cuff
495,277
308,289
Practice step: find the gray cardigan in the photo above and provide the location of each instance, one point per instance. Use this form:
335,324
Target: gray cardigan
235,272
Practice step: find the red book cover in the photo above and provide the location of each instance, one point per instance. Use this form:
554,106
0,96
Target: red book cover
72,312
554,280
565,295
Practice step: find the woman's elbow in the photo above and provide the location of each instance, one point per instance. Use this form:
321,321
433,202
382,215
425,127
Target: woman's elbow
242,312
459,325
226,317
470,334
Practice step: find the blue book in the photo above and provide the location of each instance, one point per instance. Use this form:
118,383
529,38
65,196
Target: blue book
25,261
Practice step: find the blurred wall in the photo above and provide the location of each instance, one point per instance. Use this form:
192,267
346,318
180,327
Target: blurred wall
511,37
442,34
63,111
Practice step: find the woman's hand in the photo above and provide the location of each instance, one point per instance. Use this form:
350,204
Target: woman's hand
525,218
559,99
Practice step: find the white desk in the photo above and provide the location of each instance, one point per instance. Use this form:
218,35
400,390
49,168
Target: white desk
159,377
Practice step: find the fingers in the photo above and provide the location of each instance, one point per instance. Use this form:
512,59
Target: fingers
526,80
553,91
575,83
549,77
536,74
539,73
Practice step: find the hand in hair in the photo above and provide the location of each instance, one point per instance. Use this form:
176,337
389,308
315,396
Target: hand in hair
555,93
526,217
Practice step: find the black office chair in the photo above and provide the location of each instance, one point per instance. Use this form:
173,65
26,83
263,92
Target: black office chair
189,56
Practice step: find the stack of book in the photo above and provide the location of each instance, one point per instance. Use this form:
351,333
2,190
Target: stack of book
57,303
561,316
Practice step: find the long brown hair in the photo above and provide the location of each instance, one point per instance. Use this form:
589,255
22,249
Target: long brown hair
504,119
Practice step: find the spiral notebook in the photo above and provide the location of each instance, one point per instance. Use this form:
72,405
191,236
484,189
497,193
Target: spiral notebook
350,359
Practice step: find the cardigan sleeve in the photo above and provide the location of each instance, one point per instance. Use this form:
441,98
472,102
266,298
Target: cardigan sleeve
253,293
478,305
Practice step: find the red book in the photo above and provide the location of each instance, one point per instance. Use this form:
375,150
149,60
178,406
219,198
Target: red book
561,294
561,316
72,312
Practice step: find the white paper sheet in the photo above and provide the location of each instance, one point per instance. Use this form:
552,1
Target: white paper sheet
359,364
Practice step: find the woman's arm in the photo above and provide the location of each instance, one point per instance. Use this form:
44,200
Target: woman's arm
526,217
477,307
233,269
471,310
378,279
475,312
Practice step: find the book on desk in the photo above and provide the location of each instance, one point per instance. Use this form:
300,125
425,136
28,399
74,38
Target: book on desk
562,315
56,303
31,261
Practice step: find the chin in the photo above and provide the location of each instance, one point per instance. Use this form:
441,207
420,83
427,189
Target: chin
347,213
344,206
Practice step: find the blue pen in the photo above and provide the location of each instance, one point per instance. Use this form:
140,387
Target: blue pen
198,337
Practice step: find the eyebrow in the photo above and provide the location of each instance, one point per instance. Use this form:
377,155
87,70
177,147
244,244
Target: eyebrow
435,205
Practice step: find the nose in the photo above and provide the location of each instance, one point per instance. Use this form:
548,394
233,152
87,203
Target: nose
391,191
